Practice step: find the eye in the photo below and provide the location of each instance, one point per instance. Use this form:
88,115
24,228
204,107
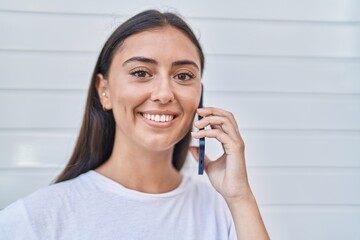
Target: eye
184,76
140,74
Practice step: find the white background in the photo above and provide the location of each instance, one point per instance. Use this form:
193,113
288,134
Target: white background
288,70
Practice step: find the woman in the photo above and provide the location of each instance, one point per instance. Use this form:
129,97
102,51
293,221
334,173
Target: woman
123,179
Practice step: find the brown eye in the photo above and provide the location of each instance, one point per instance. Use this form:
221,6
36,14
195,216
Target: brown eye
184,76
140,74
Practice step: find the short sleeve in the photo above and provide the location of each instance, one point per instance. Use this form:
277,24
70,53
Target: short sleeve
14,222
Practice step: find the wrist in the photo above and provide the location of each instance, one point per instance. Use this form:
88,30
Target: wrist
245,198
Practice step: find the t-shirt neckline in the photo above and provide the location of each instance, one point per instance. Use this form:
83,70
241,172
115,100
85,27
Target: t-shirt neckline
116,187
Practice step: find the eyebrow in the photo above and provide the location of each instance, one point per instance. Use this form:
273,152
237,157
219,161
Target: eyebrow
153,61
140,59
185,62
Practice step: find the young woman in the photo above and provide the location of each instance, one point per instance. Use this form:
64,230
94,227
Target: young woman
123,180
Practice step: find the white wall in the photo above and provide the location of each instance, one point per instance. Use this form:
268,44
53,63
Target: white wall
288,70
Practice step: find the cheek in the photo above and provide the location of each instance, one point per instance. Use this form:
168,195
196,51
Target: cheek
192,99
125,94
190,104
122,103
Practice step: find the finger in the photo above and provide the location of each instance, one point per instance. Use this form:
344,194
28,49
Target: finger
195,153
211,111
208,111
228,143
216,127
207,162
217,122
231,163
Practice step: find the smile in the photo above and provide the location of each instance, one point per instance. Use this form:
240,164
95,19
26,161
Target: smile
158,117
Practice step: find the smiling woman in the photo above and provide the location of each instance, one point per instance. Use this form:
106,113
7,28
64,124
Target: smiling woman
123,179
154,76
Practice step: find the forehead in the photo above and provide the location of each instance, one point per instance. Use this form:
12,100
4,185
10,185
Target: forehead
160,43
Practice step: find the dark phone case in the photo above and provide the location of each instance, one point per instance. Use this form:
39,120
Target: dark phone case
201,140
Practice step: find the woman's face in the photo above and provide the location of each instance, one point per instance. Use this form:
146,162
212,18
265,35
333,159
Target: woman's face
153,88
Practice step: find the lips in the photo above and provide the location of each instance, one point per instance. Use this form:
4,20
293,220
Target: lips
158,117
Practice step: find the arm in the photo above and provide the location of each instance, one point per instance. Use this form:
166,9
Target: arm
247,219
228,173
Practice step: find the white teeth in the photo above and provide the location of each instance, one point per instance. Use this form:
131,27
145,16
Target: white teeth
158,118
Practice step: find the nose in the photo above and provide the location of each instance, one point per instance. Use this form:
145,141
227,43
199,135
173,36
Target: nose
162,91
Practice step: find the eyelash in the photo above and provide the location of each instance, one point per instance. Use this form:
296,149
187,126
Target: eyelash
137,71
188,75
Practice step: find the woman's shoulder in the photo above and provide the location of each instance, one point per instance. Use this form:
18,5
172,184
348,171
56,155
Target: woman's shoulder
57,191
49,196
33,213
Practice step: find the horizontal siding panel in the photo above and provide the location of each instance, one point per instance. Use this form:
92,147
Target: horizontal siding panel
52,109
46,70
54,32
280,39
319,10
306,186
46,109
310,223
270,186
88,33
72,70
294,149
36,148
289,111
269,74
301,186
263,148
298,149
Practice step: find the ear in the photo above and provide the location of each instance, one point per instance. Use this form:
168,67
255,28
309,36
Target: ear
102,86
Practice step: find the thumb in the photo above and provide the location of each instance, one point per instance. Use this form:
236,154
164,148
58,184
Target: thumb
194,152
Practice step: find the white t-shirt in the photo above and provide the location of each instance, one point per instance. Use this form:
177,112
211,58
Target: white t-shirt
93,206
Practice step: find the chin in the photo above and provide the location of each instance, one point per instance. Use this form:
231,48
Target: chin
157,145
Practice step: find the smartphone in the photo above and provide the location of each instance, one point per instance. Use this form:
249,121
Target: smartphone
201,140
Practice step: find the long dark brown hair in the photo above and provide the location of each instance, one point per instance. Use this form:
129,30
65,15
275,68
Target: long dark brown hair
96,138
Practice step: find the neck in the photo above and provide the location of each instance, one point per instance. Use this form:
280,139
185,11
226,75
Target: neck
141,169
